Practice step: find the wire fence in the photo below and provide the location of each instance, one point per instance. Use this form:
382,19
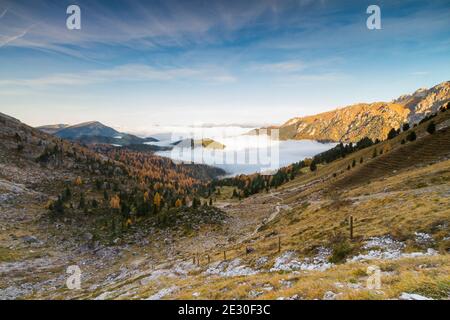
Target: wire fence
243,250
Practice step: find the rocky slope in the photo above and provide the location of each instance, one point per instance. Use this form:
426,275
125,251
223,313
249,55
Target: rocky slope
35,169
425,101
374,120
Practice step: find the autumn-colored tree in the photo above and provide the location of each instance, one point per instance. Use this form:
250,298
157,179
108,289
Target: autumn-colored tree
115,202
178,203
157,200
128,222
78,181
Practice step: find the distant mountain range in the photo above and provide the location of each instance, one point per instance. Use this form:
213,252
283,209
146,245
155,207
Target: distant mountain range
53,128
373,120
347,124
94,132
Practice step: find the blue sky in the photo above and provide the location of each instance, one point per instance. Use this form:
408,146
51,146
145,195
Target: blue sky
140,63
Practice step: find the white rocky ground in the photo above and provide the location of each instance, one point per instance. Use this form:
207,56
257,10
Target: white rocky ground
288,262
378,248
231,268
385,248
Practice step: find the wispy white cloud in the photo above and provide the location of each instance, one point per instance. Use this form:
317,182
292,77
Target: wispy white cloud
169,23
297,67
3,13
5,40
327,76
280,67
354,35
419,73
295,72
130,72
142,24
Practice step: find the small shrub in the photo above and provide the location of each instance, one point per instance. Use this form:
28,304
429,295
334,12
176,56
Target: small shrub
411,136
405,127
375,153
431,128
57,206
359,273
341,248
341,251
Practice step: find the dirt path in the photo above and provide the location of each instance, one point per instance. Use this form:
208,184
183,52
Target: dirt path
279,206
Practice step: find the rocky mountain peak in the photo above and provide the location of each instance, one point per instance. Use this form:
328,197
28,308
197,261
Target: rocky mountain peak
373,120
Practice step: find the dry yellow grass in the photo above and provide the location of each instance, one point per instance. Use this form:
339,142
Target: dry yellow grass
428,276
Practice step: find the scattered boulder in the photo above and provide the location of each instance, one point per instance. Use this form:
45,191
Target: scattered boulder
162,293
255,294
294,297
260,262
289,262
88,236
330,295
413,296
30,239
231,268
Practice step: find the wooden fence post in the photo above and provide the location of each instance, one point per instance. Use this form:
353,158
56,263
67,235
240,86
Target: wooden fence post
351,227
279,244
224,255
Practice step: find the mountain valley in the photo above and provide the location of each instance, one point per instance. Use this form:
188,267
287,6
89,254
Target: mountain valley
142,227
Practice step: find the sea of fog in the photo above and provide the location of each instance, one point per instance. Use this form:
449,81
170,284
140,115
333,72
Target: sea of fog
243,154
